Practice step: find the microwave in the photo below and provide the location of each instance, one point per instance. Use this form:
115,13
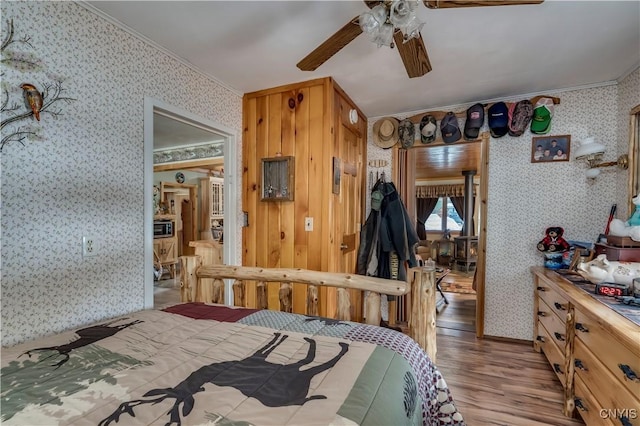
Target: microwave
162,228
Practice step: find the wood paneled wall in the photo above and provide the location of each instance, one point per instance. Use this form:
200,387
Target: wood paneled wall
306,121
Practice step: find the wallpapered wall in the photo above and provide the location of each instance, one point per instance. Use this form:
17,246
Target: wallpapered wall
524,198
86,178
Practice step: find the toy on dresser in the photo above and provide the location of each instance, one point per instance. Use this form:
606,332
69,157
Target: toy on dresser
630,228
601,270
553,246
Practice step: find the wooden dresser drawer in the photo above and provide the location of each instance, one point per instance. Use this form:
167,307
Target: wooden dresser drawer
587,406
610,394
558,304
555,325
618,359
554,355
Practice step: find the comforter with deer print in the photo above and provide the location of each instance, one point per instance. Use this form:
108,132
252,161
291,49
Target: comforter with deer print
195,364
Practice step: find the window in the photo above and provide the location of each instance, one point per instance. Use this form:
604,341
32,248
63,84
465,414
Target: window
443,217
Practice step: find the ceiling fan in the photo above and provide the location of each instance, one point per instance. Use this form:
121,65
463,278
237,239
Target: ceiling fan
411,49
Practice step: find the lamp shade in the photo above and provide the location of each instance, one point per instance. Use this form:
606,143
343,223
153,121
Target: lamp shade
588,147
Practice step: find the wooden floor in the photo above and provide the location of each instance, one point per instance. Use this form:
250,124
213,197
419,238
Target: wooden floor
492,382
499,383
459,314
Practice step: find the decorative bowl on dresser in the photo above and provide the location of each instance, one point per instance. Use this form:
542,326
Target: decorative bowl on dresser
593,344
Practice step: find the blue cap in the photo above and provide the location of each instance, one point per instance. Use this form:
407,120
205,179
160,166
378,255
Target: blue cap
498,119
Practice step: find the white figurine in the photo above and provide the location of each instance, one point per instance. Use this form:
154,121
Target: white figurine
601,270
630,228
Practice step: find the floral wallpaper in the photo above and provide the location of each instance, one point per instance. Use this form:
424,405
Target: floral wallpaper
85,177
524,198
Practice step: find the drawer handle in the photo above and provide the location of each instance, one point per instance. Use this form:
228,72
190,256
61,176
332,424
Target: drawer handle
559,336
579,404
541,288
581,327
559,306
542,314
540,339
578,363
557,368
628,372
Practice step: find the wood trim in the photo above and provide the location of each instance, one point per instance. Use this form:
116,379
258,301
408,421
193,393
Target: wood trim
287,88
507,339
481,266
634,147
189,164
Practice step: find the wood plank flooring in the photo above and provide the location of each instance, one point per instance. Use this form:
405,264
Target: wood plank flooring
459,314
493,382
499,383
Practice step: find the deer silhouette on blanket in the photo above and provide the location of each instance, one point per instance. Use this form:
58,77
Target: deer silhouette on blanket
274,385
87,336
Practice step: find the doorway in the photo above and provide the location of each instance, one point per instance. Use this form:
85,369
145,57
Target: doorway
437,171
175,118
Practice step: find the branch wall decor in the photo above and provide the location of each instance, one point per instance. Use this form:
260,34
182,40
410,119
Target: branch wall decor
39,98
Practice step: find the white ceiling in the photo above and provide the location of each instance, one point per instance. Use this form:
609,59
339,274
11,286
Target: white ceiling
170,132
477,54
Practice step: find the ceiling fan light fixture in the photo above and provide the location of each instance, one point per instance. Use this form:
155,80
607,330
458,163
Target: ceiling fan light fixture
384,36
368,23
412,29
400,13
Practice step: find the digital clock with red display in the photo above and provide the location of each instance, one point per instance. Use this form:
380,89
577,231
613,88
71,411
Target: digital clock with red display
613,289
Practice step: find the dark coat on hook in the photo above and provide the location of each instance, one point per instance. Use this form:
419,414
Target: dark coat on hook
387,230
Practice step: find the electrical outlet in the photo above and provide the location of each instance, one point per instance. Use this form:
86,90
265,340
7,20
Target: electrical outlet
308,224
89,247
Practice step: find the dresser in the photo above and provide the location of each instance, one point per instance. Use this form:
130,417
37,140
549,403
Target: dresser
593,350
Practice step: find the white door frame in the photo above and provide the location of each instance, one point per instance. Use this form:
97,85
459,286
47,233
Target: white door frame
230,192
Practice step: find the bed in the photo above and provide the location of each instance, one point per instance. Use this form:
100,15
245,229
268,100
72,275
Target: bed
196,363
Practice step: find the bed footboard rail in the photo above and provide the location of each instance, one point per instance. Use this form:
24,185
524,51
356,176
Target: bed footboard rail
420,288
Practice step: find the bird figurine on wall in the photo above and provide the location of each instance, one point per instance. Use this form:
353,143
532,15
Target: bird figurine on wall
33,99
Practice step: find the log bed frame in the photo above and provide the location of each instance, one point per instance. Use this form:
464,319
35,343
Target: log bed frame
204,283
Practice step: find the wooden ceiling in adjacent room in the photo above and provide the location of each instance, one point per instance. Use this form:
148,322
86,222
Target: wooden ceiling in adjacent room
444,161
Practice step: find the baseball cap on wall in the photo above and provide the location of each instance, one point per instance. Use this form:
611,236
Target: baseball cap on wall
428,128
449,128
542,113
498,119
406,133
475,120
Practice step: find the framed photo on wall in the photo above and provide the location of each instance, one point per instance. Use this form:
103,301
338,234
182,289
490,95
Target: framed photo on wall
549,149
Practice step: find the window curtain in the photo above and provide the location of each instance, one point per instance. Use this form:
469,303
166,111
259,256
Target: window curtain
424,208
458,204
404,176
437,191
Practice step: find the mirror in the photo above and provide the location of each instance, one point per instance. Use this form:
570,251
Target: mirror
189,141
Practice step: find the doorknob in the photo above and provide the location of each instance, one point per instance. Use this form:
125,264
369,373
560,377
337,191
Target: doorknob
344,246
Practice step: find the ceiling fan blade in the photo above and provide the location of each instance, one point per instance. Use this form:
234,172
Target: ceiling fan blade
331,46
414,55
444,4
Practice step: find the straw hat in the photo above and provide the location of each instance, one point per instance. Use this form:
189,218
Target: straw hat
385,132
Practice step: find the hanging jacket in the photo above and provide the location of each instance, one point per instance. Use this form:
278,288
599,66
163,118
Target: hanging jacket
385,231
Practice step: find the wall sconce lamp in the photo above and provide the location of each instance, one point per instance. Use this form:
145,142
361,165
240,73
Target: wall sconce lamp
592,152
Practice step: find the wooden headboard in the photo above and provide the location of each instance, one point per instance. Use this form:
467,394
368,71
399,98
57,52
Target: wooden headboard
202,282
